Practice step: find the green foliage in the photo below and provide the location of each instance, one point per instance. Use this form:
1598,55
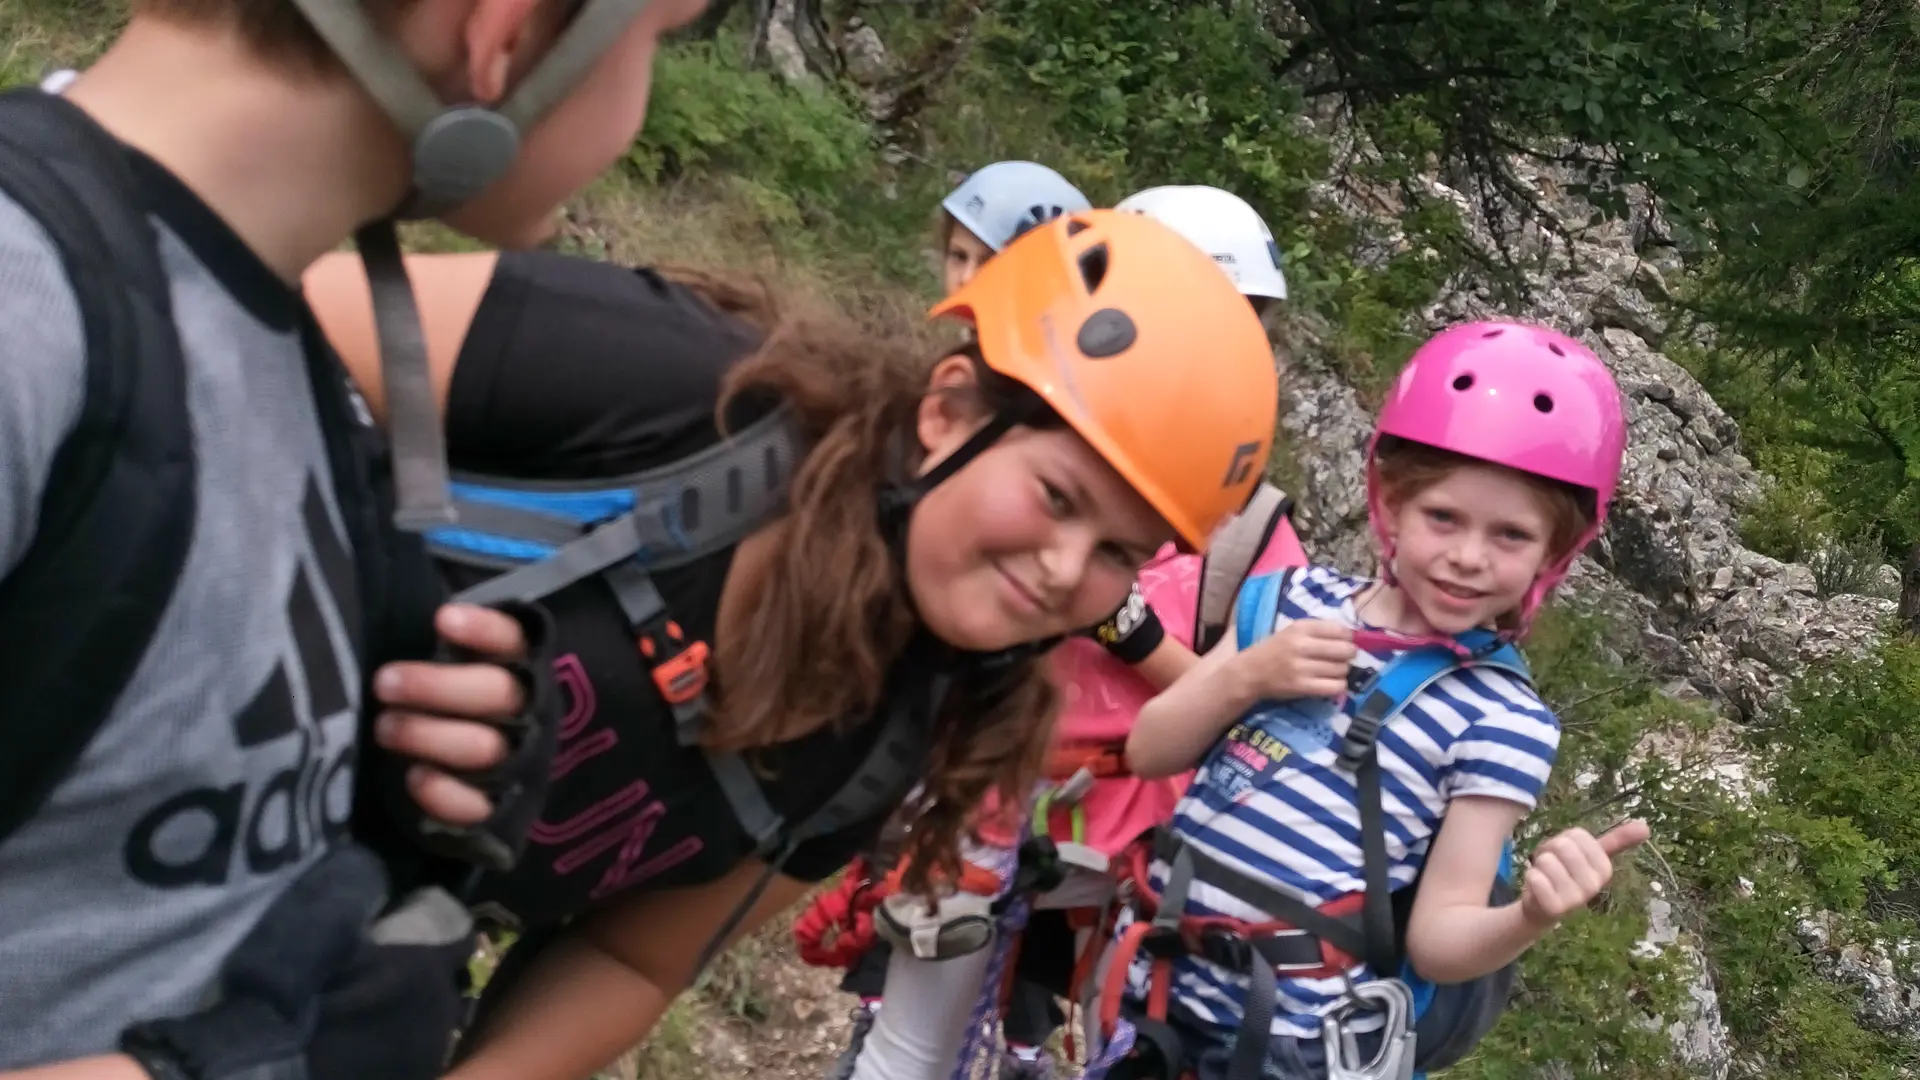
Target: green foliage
1813,283
707,115
1830,832
1848,753
1166,91
1661,92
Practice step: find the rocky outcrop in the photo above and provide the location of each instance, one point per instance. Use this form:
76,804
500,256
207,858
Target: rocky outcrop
1717,619
1699,1037
1886,974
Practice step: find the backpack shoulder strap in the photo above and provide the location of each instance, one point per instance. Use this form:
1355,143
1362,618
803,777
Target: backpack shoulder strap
550,535
117,517
889,768
1231,557
1403,679
1258,606
1408,675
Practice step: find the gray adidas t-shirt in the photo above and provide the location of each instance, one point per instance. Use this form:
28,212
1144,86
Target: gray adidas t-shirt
227,763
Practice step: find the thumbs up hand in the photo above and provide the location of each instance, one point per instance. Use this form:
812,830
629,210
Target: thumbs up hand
1570,868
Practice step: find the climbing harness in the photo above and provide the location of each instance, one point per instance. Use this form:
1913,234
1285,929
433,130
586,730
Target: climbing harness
1310,941
959,921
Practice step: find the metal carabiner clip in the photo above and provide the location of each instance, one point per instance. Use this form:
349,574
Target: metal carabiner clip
1394,1059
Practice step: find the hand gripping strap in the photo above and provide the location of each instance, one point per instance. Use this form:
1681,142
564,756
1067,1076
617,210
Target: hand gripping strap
518,784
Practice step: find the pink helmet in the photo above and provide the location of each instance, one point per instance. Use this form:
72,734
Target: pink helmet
1516,395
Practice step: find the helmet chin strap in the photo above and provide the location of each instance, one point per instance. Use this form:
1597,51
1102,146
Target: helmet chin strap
898,499
457,152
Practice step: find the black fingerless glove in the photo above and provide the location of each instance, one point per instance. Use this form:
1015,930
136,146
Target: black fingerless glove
319,988
1133,632
517,785
420,850
393,1012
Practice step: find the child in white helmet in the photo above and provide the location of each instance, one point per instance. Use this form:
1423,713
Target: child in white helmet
1224,226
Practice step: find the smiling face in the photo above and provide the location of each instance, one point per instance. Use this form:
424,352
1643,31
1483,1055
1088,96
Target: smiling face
1467,547
1036,537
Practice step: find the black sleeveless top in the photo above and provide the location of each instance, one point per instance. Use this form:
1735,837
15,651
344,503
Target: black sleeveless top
576,370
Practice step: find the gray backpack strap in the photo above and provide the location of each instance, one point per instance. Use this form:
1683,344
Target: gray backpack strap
553,534
419,449
1236,546
886,773
890,768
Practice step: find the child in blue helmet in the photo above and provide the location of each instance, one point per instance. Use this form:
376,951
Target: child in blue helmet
994,205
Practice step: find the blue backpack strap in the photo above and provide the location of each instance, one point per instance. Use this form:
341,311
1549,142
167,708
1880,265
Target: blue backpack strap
1408,675
548,535
1258,606
1370,708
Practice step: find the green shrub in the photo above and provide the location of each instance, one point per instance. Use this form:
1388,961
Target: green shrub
710,116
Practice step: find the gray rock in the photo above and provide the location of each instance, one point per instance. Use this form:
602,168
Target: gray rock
1715,620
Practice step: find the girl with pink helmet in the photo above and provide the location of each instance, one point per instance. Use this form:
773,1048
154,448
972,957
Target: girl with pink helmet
1494,459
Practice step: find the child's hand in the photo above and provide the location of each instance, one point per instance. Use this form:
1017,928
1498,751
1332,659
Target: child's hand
1571,868
1305,659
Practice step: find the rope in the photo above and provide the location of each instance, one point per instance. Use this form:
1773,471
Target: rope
837,928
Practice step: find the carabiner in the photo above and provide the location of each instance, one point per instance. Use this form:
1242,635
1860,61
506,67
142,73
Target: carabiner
1394,1059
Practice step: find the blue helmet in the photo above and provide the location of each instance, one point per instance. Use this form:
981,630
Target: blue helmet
1007,198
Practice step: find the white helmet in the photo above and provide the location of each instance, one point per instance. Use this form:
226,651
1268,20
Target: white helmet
1221,224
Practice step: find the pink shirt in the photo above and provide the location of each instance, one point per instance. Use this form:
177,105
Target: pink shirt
1102,696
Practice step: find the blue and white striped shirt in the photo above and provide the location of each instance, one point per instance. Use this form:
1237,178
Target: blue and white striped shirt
1271,801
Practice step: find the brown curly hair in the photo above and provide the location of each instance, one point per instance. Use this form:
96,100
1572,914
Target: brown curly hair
832,612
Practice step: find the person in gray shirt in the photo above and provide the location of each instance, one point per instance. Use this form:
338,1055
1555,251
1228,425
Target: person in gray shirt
225,772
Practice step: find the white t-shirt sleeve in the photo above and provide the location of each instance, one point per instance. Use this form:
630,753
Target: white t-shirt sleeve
1507,752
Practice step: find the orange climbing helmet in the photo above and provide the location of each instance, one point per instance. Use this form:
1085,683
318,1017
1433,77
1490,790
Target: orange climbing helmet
1144,347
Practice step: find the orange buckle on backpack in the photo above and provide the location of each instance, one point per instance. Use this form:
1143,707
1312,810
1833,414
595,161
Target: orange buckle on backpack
679,666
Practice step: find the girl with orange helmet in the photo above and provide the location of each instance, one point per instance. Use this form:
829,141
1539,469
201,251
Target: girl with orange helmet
941,525
1105,677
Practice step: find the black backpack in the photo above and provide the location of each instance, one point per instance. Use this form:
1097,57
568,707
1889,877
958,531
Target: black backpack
117,517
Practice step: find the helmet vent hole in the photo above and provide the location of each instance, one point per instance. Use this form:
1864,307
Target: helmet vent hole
1076,227
1495,332
1463,382
1555,348
1542,402
1093,266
